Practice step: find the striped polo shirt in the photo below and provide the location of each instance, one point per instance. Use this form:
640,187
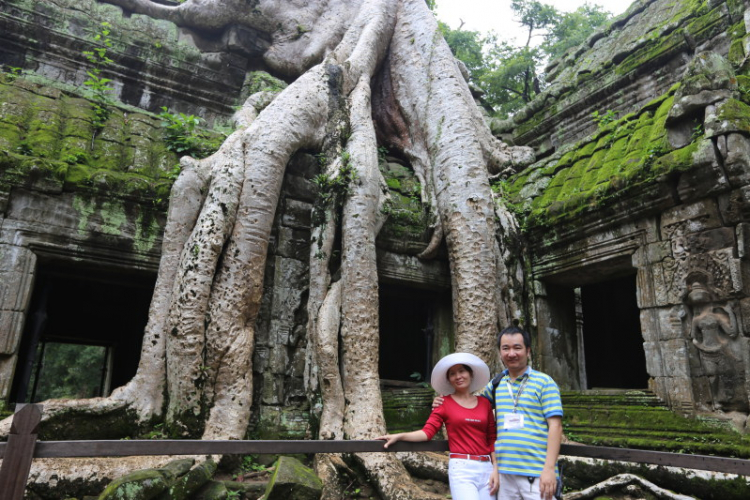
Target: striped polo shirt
523,451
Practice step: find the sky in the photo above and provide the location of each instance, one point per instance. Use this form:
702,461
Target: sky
496,15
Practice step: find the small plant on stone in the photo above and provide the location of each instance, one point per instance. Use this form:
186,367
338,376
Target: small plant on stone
11,73
418,378
604,119
697,133
98,84
182,135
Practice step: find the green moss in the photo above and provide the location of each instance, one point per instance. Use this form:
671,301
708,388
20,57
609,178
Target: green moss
611,163
736,112
46,136
637,420
580,475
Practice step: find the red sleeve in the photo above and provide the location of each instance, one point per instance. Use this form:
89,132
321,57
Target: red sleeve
435,422
491,427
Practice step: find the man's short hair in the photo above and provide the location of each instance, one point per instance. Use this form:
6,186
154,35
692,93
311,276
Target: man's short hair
511,330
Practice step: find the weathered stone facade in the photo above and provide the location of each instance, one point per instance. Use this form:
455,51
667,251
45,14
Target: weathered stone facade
90,201
659,196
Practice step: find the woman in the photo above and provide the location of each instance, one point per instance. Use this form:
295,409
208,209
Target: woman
470,423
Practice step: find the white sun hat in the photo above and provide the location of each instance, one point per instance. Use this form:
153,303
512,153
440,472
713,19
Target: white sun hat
439,380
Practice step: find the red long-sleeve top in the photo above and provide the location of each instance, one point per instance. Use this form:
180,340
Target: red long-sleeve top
470,430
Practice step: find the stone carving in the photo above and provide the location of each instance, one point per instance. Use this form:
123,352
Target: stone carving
715,334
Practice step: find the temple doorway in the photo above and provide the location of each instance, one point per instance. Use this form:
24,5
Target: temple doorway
83,332
408,332
612,338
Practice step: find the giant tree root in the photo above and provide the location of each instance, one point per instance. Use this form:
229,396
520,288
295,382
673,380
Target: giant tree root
196,363
623,480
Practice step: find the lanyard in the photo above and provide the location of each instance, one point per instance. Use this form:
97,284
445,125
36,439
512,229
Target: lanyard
518,395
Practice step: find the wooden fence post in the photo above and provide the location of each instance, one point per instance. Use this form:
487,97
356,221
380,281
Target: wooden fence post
19,452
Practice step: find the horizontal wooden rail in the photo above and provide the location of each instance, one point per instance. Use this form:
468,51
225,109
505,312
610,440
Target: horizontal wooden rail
698,462
22,447
127,448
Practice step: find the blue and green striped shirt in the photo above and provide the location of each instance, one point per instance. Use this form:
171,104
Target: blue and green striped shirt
523,451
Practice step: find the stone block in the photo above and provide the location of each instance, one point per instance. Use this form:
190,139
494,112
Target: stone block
705,178
702,391
272,390
737,163
680,391
260,359
649,319
278,360
290,273
15,257
712,239
299,188
743,316
660,387
291,479
645,290
297,363
138,485
15,290
7,369
213,490
189,482
743,240
693,217
11,328
297,214
293,243
654,365
735,205
671,322
674,354
667,287
651,253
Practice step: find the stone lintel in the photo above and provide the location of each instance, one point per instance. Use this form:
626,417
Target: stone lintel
408,270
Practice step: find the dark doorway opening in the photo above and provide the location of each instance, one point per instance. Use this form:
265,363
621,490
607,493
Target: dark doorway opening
407,333
83,332
612,338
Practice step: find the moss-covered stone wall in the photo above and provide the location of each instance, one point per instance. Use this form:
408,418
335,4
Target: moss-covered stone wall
47,137
621,67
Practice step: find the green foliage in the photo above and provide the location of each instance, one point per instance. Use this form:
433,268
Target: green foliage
511,75
69,371
183,136
98,84
467,46
158,432
573,28
332,191
604,119
11,73
250,464
697,133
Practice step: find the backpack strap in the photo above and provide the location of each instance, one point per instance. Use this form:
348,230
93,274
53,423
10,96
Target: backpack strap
495,382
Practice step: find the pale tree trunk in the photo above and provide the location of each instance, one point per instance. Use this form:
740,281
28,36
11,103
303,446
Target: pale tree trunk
620,481
196,364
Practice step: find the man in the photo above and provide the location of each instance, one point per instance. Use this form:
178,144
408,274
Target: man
529,413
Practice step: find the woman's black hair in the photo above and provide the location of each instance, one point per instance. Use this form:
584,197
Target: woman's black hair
511,330
468,369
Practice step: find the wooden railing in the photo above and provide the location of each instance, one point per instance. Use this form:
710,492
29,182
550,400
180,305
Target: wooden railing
22,447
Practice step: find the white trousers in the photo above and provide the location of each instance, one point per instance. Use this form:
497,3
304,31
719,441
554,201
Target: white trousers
469,479
514,487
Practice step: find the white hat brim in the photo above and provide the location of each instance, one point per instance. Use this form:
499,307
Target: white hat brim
480,378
